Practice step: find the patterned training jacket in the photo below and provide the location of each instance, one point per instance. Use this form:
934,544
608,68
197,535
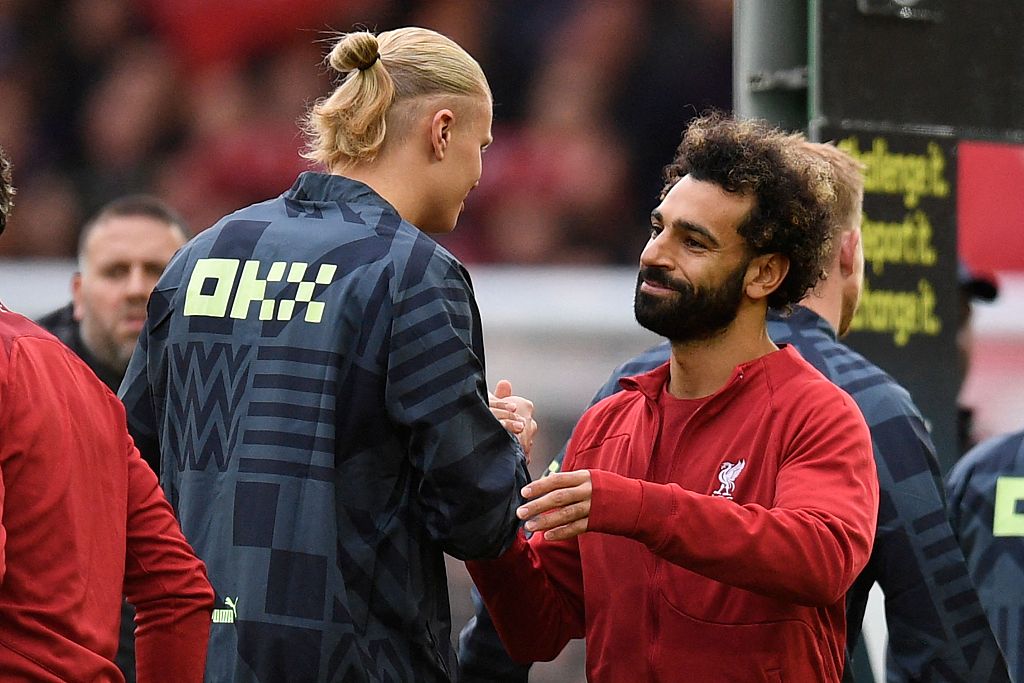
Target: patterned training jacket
311,375
986,506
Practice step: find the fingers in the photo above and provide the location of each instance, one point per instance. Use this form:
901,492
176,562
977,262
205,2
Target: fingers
553,482
558,502
527,436
510,422
559,517
564,533
559,505
503,389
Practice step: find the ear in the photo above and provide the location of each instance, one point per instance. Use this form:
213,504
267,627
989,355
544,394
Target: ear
441,132
848,241
76,297
765,274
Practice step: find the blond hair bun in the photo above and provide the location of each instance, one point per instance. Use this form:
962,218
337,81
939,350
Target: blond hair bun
355,51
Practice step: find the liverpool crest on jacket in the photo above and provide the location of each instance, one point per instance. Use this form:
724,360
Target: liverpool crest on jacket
727,474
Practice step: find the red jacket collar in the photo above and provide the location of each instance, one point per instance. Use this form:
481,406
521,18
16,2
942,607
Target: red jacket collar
650,383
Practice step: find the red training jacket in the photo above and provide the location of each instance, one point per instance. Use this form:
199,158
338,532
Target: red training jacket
84,520
674,581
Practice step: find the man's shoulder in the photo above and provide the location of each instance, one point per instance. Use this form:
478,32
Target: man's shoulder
14,326
878,395
1000,455
33,341
61,323
793,379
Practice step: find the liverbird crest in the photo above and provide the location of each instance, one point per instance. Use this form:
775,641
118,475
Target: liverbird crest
727,474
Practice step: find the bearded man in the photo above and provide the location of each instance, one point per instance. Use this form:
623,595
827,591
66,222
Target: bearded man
710,517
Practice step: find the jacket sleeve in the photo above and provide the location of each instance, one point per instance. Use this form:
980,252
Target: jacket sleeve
534,595
807,548
937,627
482,656
470,469
144,377
165,582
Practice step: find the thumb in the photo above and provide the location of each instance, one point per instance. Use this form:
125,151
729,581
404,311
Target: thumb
503,389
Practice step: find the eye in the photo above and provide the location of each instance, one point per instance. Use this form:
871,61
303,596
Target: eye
655,230
692,243
115,271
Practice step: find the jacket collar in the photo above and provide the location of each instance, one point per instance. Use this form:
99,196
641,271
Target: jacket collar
650,383
324,187
803,318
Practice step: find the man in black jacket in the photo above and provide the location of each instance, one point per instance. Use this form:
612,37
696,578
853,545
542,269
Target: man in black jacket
121,253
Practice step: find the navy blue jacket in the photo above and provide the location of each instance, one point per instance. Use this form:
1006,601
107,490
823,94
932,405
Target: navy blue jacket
937,629
311,375
986,506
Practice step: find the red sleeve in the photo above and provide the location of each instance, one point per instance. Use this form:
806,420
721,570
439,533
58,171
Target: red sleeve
807,548
534,594
165,582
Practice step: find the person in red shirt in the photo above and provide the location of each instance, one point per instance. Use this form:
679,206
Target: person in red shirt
711,516
82,520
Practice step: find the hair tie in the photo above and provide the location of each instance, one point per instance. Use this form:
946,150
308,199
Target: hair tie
375,59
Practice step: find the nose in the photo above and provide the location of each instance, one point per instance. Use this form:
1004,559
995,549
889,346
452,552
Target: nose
139,284
653,254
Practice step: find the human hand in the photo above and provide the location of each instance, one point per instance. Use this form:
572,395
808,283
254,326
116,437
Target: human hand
558,505
515,414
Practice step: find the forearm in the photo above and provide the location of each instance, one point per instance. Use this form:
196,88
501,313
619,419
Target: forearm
536,606
470,507
808,556
482,656
166,583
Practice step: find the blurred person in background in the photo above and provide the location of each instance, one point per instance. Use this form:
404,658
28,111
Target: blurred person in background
973,287
121,254
122,251
934,616
311,376
723,551
986,508
84,522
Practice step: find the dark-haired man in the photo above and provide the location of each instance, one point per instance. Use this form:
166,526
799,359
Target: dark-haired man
936,627
711,516
121,253
83,523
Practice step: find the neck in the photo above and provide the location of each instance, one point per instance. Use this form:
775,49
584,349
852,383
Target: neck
827,298
388,176
700,368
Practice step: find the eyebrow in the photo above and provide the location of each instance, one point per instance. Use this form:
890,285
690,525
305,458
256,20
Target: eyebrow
687,226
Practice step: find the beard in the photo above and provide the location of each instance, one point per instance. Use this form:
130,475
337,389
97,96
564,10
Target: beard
693,314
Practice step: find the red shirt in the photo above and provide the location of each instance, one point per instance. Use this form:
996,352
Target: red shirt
84,520
730,563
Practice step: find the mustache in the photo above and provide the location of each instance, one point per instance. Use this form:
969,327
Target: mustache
658,276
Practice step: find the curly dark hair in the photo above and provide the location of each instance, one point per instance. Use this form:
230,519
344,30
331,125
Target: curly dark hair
795,199
6,189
